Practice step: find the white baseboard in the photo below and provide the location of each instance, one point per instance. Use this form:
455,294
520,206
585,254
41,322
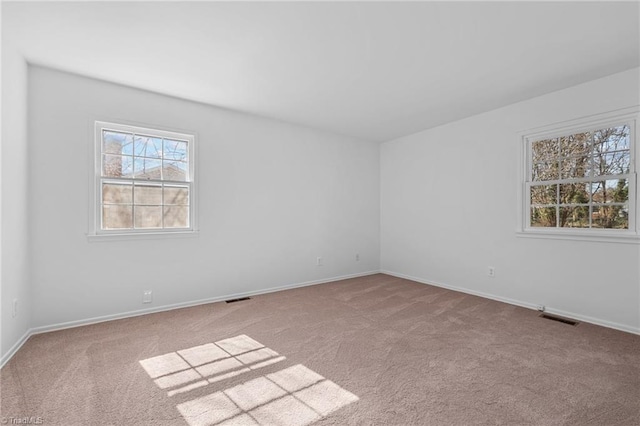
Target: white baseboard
573,315
94,320
78,323
12,351
61,326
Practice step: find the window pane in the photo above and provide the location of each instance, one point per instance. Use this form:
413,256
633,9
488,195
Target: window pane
116,143
545,171
176,195
148,217
611,139
145,146
574,167
117,217
175,170
146,168
148,194
175,150
115,193
144,179
577,145
544,150
543,217
176,217
117,166
610,191
610,217
574,217
612,163
544,194
574,193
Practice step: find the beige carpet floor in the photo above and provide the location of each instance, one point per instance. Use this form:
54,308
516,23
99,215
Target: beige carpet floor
375,350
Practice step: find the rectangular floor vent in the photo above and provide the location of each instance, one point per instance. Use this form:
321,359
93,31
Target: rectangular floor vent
560,319
237,300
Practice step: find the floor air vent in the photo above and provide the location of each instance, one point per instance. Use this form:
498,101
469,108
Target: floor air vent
560,319
237,300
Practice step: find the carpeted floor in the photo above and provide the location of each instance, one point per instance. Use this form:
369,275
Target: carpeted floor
373,350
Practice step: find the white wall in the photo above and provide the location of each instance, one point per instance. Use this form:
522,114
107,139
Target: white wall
273,197
15,215
449,210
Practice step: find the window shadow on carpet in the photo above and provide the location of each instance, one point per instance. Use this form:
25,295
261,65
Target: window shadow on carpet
294,396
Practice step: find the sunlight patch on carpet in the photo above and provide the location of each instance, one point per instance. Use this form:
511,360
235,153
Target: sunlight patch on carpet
164,364
185,369
294,396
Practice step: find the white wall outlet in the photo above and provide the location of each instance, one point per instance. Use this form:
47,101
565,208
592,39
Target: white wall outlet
147,296
491,271
14,308
540,308
319,261
357,257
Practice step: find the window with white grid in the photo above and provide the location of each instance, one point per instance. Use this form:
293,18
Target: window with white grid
144,180
582,179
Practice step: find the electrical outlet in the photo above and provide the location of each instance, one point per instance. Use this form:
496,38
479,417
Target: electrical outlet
491,271
319,261
540,308
14,310
357,257
147,296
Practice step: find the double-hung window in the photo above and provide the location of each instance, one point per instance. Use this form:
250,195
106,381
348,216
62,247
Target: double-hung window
580,179
144,180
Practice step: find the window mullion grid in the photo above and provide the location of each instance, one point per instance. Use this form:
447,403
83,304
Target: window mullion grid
592,145
590,179
578,180
632,204
162,185
98,177
558,205
591,205
632,207
528,163
133,170
100,185
530,159
559,162
101,179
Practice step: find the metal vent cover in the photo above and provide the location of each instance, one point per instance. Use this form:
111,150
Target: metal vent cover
560,319
240,299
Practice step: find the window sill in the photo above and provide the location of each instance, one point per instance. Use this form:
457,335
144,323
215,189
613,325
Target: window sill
142,236
602,237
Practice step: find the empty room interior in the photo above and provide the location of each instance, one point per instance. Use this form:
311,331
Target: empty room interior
331,213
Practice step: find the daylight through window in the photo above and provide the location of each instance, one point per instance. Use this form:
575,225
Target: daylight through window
144,179
581,179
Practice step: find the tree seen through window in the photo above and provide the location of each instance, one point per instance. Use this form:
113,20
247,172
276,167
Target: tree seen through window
581,180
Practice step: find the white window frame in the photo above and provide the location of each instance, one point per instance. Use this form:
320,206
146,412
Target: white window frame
96,233
628,116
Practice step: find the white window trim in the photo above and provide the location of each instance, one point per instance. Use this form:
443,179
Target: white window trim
95,232
629,116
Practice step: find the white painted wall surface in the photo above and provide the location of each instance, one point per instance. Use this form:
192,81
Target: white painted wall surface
272,198
449,210
15,214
